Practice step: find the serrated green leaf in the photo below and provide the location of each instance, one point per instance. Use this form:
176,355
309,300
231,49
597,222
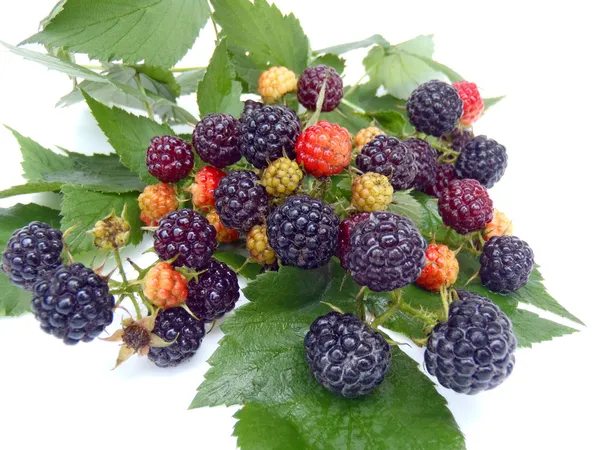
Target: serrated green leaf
392,122
531,328
81,209
405,205
402,67
218,91
14,300
260,36
160,32
128,134
489,102
331,60
189,80
161,75
344,48
260,363
236,260
96,172
345,117
30,188
365,96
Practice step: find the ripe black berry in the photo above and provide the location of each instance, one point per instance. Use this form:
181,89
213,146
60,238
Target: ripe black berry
506,263
214,292
249,107
241,200
169,158
465,206
346,228
459,138
310,83
434,108
176,325
31,252
217,140
444,174
474,350
425,158
268,133
391,157
303,232
386,252
73,303
345,355
482,159
188,234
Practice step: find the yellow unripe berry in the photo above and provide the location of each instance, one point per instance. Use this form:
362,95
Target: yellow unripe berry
364,136
275,82
371,192
257,244
282,177
500,225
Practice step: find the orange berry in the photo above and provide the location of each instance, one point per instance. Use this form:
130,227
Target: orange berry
157,201
365,136
441,268
224,235
500,225
164,286
203,190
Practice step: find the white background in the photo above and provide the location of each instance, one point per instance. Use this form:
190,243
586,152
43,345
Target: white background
543,55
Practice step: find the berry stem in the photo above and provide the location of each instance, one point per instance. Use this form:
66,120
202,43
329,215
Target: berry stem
360,304
397,298
351,105
120,266
186,69
138,313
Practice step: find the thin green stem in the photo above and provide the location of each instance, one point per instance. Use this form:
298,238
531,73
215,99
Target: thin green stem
397,297
186,69
138,313
351,105
360,304
92,66
120,266
212,19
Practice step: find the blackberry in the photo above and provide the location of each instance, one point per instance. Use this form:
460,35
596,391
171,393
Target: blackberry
425,157
241,200
434,108
31,252
176,325
268,133
214,292
343,244
249,107
345,355
482,159
188,234
389,156
459,138
444,174
169,158
506,263
465,206
474,350
386,252
73,303
303,232
217,140
311,82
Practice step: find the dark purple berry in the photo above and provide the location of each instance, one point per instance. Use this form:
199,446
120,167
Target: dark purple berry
249,107
434,108
187,235
311,82
31,252
391,157
506,263
73,303
425,157
217,140
214,292
482,159
345,355
176,325
169,158
444,174
465,206
346,227
459,138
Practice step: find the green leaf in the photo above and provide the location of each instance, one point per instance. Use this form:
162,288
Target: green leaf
346,117
260,364
81,209
48,169
344,48
365,96
260,36
189,80
331,60
392,122
489,102
14,300
218,91
161,75
30,188
531,328
160,32
236,260
129,135
405,205
402,67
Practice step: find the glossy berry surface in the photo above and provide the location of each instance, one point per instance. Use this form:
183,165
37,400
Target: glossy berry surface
371,192
156,202
164,286
473,105
482,159
474,350
31,252
217,139
269,133
311,82
73,304
188,234
241,200
444,174
345,355
364,136
258,246
324,149
506,264
440,270
224,235
303,232
425,158
282,177
434,108
386,252
389,156
346,227
465,206
203,189
214,292
169,158
176,325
